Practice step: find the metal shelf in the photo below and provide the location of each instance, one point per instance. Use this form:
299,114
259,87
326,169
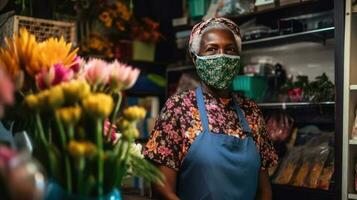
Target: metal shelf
352,196
180,68
319,34
285,105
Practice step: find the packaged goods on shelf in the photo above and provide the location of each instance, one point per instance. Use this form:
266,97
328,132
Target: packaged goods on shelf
354,128
288,166
264,4
303,170
326,175
310,164
317,165
280,125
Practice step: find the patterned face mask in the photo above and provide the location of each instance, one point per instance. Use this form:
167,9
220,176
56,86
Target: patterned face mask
218,71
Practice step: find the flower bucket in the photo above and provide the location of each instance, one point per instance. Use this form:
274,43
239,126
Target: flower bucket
56,192
143,51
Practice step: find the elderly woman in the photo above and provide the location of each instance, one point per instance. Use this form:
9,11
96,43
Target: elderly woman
208,142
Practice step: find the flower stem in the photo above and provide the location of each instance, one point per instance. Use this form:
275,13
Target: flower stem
81,166
100,161
40,130
71,132
114,116
66,157
123,164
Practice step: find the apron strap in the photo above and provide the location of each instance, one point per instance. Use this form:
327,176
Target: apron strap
243,121
202,109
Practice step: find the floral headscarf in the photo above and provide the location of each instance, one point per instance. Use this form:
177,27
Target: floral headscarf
200,27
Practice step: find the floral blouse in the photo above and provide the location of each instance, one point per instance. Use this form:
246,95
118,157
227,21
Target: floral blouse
179,124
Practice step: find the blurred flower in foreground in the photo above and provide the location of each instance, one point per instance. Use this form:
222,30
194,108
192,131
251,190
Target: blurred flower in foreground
77,65
82,148
75,90
122,76
55,75
136,149
7,90
96,72
57,51
134,113
23,177
114,135
128,128
22,53
69,115
98,105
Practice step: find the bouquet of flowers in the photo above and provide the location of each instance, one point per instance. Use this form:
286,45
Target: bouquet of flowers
85,145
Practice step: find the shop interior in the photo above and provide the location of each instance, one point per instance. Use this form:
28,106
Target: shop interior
299,64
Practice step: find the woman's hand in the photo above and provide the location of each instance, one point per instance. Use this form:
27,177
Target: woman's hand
264,186
167,191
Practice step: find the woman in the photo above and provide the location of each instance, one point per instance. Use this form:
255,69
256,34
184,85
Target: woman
209,143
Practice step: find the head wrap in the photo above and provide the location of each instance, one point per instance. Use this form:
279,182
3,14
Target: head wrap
199,28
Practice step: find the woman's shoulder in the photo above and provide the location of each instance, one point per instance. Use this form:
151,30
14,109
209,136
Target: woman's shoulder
245,102
186,95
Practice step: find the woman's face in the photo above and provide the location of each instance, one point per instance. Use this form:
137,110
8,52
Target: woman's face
218,41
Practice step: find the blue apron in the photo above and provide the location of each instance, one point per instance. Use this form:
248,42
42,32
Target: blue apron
219,166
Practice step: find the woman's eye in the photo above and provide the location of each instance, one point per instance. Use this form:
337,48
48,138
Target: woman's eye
232,50
211,49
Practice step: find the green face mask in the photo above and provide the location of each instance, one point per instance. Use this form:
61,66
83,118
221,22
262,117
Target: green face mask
218,71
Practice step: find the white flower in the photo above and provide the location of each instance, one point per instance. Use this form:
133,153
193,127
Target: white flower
135,150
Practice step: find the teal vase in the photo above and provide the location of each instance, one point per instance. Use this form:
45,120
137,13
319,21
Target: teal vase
56,192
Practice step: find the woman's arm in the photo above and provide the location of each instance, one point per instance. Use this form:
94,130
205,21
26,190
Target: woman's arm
167,191
264,186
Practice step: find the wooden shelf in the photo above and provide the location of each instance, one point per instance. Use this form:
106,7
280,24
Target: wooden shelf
352,196
354,9
353,87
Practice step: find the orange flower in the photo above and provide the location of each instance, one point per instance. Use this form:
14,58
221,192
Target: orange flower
123,10
152,146
120,26
106,19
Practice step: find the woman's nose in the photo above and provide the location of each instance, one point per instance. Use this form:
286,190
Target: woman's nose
221,51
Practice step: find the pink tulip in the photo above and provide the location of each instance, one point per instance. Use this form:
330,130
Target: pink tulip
7,90
114,136
56,75
123,76
96,71
77,65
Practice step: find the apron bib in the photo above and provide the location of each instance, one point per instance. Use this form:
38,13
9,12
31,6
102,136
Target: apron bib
219,166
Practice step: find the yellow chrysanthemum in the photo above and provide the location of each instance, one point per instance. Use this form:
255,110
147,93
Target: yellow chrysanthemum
98,105
79,149
21,52
57,51
69,115
75,90
32,101
55,97
134,113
